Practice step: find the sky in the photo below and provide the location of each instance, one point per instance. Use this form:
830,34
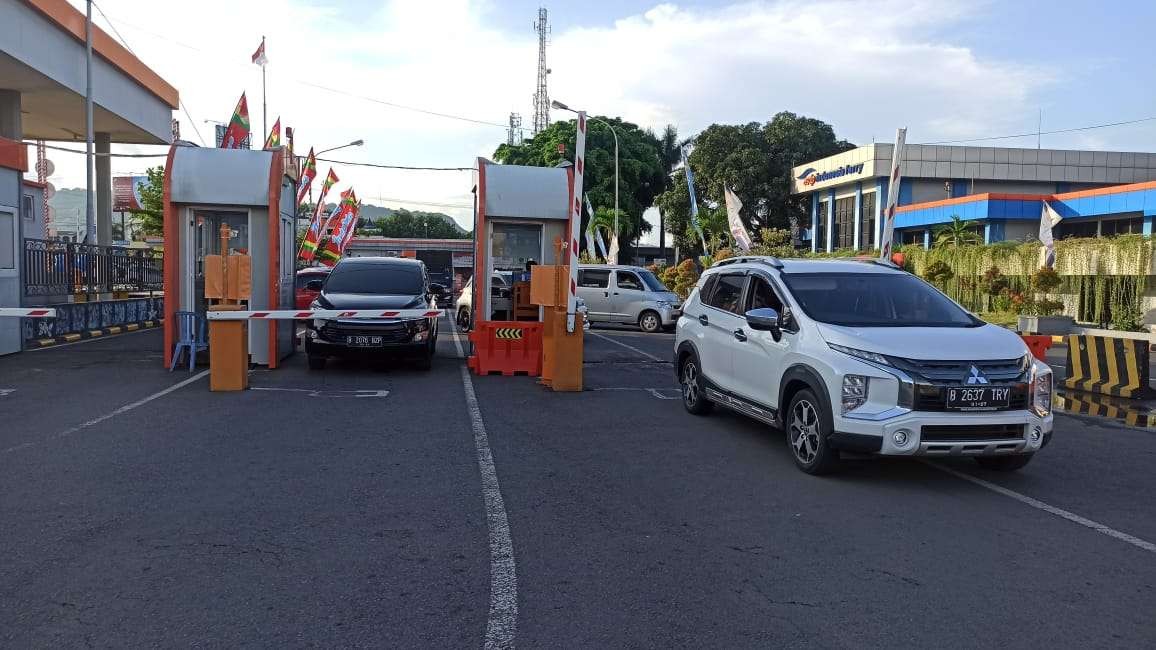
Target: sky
946,70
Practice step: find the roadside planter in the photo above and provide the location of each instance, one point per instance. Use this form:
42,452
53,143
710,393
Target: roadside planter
1046,325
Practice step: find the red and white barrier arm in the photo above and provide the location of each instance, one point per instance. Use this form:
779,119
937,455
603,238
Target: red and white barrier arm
288,314
21,312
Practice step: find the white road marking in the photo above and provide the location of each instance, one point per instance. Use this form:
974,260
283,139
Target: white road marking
1059,512
628,347
120,411
328,393
502,623
6,391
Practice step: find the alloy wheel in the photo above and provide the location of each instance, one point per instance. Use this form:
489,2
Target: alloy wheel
805,431
690,383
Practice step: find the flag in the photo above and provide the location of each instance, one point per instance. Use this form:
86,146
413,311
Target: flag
346,216
1049,219
892,197
238,129
601,243
259,56
742,237
590,227
308,172
693,201
274,139
612,255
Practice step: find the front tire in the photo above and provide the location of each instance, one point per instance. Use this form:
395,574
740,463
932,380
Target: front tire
1004,463
649,321
693,395
808,424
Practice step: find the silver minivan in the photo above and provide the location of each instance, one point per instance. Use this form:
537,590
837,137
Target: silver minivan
627,294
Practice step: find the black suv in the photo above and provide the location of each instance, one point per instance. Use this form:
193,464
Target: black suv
375,283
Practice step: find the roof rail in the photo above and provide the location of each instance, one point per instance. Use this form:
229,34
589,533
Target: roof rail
769,260
876,260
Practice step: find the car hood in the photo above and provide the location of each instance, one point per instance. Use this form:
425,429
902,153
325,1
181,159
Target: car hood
370,301
988,342
671,297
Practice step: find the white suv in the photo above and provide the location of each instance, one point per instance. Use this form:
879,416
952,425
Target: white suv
859,357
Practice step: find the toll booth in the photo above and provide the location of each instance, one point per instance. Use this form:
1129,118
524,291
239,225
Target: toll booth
254,194
521,212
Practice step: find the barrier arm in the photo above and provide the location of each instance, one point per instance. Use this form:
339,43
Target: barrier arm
21,312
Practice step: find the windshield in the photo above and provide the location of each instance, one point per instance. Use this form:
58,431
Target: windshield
652,282
380,279
875,300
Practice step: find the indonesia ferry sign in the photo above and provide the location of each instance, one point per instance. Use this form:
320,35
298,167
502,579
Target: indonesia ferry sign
810,175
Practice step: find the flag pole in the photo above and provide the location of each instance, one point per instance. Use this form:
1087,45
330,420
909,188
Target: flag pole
264,113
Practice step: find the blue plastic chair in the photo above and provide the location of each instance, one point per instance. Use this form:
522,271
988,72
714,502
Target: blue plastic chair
191,338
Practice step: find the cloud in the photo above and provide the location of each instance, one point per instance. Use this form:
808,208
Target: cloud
864,67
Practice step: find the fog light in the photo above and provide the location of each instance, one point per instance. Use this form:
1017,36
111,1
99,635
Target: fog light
901,437
420,337
1036,434
311,333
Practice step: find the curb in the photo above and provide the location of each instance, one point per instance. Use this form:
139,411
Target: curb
92,334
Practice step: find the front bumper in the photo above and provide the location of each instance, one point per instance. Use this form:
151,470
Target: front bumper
946,434
670,315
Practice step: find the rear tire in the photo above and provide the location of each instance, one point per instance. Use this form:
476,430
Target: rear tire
1004,463
694,398
808,424
316,363
464,319
649,322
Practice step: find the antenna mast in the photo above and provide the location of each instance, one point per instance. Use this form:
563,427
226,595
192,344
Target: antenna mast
541,95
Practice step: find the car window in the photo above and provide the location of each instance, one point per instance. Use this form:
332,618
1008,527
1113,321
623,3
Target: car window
652,282
593,279
707,289
762,295
629,280
379,279
728,293
875,300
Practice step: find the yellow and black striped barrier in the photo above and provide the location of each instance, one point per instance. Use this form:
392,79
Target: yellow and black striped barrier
508,333
1103,407
1110,366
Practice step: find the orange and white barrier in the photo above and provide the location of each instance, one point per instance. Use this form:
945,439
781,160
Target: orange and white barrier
289,314
21,312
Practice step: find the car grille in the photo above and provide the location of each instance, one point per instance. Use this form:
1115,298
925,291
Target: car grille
390,332
932,398
968,433
957,372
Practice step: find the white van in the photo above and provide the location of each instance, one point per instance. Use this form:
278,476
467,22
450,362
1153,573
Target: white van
627,294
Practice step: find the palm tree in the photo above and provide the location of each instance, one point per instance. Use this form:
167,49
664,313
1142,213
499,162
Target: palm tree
670,152
956,233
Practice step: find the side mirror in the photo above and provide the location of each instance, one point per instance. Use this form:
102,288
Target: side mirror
437,289
314,285
765,319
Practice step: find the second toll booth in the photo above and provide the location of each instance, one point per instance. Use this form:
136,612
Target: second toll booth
522,216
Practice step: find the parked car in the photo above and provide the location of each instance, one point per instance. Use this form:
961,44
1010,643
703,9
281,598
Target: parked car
308,285
499,290
859,357
374,283
627,294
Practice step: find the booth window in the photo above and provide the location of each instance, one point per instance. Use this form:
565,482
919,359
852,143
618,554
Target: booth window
7,240
28,207
514,245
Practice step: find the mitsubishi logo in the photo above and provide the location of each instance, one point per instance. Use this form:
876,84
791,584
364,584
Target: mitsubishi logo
974,376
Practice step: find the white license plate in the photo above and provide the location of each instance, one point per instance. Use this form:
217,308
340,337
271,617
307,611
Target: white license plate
987,398
363,341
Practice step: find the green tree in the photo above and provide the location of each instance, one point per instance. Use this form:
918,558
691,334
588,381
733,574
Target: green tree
150,219
641,170
954,234
415,224
755,161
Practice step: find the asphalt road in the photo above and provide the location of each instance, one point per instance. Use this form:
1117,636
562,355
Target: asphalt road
353,507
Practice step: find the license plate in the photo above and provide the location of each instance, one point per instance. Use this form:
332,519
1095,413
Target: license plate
989,398
363,341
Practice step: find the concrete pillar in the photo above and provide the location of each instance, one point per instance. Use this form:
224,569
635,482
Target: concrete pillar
11,126
858,213
814,220
830,220
103,189
927,239
880,199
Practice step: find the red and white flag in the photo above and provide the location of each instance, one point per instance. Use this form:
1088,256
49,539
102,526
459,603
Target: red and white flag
259,56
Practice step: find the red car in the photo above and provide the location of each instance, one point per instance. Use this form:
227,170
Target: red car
309,282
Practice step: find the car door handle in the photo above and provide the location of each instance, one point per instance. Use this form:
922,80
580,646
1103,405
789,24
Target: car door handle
703,320
740,335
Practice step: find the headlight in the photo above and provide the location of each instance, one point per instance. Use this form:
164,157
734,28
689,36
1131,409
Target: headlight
663,304
1042,394
854,392
421,325
873,357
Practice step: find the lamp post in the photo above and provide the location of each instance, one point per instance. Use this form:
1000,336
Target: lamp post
614,132
355,143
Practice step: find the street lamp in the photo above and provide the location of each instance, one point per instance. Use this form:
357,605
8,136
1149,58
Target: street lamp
614,132
355,143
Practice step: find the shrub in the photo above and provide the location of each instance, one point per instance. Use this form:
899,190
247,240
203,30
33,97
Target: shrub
993,283
1045,279
1047,307
938,273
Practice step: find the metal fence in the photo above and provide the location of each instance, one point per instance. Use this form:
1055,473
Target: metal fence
54,268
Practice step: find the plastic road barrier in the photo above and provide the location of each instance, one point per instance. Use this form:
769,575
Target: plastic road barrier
290,314
1038,345
1109,366
21,312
